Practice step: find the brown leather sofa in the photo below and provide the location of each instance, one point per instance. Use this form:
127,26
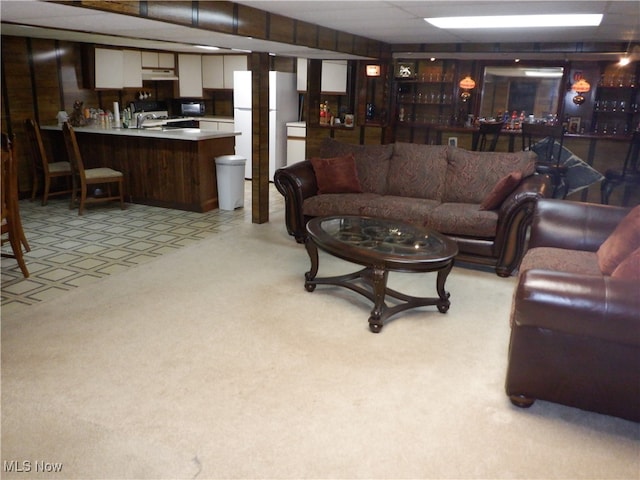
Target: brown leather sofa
575,332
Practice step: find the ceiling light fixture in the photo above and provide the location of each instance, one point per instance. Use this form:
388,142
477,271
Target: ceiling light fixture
207,47
518,21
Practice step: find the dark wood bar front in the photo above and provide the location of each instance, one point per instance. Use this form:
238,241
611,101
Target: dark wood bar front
160,170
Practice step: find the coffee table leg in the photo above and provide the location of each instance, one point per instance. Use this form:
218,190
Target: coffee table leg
444,303
379,279
312,250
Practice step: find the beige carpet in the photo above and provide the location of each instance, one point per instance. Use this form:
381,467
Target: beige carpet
214,362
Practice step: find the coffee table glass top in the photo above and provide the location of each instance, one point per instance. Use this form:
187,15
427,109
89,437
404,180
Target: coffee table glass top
384,237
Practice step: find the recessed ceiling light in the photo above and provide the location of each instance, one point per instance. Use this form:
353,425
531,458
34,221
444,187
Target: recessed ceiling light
207,47
517,21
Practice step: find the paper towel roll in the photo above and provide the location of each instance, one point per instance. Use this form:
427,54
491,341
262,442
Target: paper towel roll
116,114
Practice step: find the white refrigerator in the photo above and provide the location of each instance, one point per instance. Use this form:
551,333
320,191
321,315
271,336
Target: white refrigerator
283,108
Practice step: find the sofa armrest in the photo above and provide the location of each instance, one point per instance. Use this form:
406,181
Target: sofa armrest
573,225
580,305
514,220
296,182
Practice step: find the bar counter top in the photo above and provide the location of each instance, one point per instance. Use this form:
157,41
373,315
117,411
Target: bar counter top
187,134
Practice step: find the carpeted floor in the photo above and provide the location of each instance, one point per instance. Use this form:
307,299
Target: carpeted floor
213,362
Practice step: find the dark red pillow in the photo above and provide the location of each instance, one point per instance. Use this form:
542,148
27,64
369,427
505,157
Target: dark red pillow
337,174
502,189
622,241
629,268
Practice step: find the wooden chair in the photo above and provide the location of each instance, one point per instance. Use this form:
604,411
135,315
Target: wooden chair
550,157
492,130
11,222
42,166
628,177
82,177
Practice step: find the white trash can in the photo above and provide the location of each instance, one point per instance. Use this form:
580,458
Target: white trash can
230,173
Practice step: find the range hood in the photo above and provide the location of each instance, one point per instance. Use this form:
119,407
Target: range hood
158,74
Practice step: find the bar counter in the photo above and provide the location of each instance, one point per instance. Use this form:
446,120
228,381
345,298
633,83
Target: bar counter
165,168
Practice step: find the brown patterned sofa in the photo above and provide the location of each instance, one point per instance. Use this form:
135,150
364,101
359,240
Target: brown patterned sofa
483,200
575,321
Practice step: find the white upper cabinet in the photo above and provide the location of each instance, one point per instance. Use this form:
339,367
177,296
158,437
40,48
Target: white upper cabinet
166,60
333,80
132,69
334,76
109,65
212,71
217,70
233,63
190,74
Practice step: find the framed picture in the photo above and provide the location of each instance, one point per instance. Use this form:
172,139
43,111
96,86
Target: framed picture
405,70
574,125
453,141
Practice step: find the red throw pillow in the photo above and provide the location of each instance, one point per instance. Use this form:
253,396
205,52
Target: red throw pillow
629,268
622,241
337,174
502,189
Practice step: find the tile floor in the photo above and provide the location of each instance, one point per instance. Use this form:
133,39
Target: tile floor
68,250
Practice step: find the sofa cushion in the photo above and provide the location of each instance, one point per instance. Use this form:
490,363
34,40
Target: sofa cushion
336,174
405,209
501,190
562,260
372,162
471,176
337,204
464,219
622,241
417,171
629,268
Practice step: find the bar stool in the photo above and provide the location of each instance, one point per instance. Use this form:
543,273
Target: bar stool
551,155
41,164
11,222
493,130
628,177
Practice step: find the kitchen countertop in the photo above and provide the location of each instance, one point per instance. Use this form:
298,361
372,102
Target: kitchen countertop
188,134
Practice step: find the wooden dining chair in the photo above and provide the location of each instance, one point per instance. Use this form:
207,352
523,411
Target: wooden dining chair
550,156
11,223
83,178
489,130
42,166
628,177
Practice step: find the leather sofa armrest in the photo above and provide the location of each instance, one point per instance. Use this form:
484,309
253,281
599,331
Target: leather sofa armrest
581,305
573,225
514,220
296,182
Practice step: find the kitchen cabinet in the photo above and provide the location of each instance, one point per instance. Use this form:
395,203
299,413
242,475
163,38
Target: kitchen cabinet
158,60
334,77
190,75
233,63
213,71
296,142
109,68
216,124
333,80
132,69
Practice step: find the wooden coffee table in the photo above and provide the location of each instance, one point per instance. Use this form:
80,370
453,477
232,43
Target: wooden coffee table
380,246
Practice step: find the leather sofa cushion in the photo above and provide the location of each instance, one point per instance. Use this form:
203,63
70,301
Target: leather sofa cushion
622,241
336,174
470,176
561,260
417,171
372,162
